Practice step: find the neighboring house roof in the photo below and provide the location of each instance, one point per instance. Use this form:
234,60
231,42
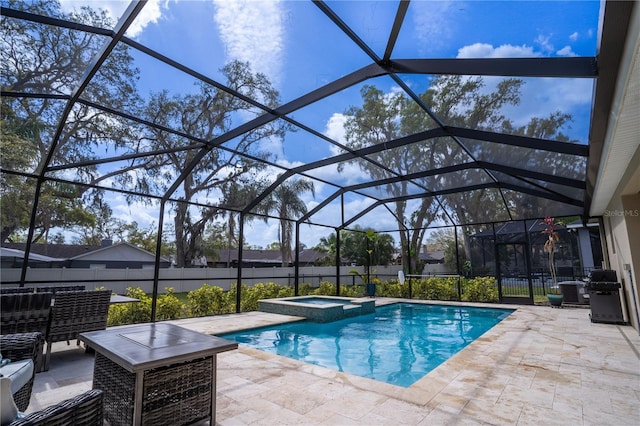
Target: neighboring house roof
58,251
117,253
435,256
121,252
311,256
19,254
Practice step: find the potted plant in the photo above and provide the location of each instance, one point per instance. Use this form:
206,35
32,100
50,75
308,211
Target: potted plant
554,295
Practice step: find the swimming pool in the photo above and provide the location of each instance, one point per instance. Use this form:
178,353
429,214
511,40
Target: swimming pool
398,344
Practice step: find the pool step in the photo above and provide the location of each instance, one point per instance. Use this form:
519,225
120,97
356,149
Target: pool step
352,310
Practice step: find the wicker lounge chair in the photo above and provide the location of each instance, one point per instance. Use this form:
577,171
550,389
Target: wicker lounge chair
75,312
57,289
15,290
26,313
83,410
18,347
50,289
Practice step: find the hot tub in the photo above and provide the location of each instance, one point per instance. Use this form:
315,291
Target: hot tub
319,308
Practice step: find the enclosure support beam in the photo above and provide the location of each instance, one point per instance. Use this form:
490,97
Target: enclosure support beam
239,276
455,233
156,266
496,256
296,265
337,262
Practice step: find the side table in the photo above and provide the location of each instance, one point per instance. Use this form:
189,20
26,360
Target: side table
156,374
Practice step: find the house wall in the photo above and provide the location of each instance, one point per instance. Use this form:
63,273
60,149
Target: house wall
622,230
121,264
436,268
631,203
620,166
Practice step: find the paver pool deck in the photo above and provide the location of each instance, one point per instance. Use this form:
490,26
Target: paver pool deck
540,366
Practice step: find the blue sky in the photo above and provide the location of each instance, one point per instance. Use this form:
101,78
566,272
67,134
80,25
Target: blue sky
295,45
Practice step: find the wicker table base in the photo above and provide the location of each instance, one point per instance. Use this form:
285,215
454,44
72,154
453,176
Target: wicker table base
156,374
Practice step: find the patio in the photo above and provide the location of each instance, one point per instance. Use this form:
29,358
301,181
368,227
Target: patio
539,366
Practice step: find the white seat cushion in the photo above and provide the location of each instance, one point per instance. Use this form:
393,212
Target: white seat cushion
20,372
8,409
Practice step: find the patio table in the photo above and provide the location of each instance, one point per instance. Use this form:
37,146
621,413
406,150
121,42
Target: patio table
117,298
156,373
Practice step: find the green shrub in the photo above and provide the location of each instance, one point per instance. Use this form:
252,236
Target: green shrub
436,288
480,289
305,289
230,296
208,300
251,295
169,306
351,290
326,288
392,288
213,300
131,313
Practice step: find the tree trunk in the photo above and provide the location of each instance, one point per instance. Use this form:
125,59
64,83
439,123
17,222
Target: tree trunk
179,226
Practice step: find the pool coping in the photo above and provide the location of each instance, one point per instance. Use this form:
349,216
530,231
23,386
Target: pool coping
420,392
424,389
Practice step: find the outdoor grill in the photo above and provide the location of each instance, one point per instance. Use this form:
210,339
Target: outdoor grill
603,286
604,296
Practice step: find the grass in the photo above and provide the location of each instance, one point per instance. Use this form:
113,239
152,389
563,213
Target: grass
181,296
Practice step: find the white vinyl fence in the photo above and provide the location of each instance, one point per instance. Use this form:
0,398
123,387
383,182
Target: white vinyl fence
183,280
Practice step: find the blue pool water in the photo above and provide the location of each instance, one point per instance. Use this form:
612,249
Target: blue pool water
398,344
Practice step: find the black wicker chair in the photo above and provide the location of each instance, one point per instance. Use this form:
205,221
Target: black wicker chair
26,313
16,290
83,410
17,347
57,289
76,312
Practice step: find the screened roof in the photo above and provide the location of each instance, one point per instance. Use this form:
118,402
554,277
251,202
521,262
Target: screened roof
473,111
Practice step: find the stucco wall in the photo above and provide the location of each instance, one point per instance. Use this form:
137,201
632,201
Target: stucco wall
622,230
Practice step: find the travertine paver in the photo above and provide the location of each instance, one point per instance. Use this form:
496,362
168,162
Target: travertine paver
540,366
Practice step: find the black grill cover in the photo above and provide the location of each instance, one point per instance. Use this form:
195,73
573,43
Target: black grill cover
602,286
603,275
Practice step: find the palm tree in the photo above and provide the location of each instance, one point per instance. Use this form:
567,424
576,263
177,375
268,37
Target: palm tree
550,245
285,201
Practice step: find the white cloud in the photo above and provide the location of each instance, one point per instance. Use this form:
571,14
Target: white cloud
252,34
566,51
335,130
564,93
574,36
138,212
484,50
545,43
150,13
540,96
272,145
433,23
272,171
259,233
